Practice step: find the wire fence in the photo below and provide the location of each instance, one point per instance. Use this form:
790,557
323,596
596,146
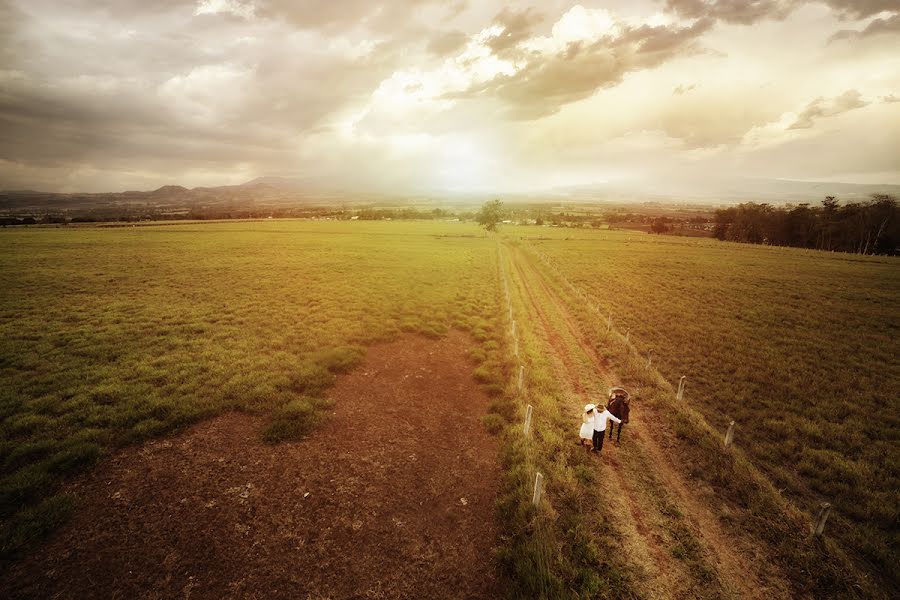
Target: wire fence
541,494
540,536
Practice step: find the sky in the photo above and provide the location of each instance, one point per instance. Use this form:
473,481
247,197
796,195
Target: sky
427,96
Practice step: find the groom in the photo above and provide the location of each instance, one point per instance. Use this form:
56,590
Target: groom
600,419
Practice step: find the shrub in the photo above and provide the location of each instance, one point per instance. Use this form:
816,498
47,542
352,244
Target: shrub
33,524
74,457
339,360
493,422
311,379
294,420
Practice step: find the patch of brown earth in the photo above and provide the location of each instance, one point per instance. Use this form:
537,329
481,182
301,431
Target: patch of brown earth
393,497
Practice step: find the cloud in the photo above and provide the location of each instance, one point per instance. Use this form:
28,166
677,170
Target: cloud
333,15
890,99
245,10
447,43
747,12
743,12
828,107
880,26
575,62
395,93
184,89
861,9
517,26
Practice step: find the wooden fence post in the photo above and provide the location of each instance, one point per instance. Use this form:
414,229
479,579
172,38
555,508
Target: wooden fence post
824,511
627,335
680,395
528,412
538,481
521,384
516,347
609,323
729,435
649,358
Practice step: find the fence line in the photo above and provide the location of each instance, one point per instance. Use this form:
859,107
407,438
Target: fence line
543,553
596,307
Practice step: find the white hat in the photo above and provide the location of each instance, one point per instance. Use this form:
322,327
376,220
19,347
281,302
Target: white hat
589,407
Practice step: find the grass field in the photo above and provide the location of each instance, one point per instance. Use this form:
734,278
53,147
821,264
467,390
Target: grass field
108,337
111,336
798,347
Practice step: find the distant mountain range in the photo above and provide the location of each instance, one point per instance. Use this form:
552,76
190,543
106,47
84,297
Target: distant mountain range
265,193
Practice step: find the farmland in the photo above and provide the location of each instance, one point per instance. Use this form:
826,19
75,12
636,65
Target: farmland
116,340
110,337
798,348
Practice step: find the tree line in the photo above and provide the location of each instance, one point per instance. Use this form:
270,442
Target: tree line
868,227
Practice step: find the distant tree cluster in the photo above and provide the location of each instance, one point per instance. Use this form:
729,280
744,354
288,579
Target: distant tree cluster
377,214
204,214
4,221
870,227
660,225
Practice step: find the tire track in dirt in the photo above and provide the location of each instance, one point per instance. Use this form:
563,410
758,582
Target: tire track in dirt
658,573
736,571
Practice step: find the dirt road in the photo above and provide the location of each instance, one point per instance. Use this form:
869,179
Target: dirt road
671,537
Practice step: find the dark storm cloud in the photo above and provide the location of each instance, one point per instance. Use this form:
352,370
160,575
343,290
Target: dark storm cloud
47,129
119,91
549,82
828,107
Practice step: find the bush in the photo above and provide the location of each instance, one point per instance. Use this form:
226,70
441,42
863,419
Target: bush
339,360
74,457
33,524
295,420
311,379
493,422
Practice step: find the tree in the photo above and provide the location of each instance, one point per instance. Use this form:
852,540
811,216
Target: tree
490,215
660,225
869,227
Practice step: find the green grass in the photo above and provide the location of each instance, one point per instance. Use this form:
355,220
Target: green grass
112,336
567,547
798,347
109,337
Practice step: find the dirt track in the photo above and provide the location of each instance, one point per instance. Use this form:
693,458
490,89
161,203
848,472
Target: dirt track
646,531
393,497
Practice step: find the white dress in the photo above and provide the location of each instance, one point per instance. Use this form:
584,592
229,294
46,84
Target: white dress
587,429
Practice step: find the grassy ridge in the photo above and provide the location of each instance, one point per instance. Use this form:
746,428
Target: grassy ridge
692,301
108,337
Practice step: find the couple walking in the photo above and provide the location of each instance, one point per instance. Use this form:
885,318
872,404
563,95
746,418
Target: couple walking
594,420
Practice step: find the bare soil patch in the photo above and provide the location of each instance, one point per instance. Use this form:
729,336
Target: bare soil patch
393,497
